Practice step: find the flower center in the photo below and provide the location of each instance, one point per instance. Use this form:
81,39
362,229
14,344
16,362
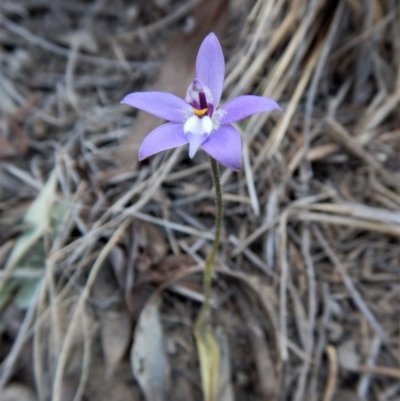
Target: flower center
200,98
200,113
198,126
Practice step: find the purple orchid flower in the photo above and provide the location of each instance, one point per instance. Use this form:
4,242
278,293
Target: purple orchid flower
196,120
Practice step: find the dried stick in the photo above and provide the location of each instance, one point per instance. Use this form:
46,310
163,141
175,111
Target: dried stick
51,47
358,300
333,372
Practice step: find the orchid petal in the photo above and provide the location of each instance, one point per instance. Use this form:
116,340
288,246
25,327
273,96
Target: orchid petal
161,104
195,141
166,136
225,145
210,66
243,106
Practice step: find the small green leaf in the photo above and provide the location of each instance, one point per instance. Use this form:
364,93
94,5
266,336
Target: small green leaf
27,292
6,290
57,213
29,251
37,219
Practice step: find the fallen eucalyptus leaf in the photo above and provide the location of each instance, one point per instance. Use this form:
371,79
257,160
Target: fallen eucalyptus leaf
114,317
17,392
148,357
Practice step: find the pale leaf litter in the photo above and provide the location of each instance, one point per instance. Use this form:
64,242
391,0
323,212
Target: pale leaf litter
306,291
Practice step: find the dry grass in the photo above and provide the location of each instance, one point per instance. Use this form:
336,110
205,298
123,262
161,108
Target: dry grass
309,265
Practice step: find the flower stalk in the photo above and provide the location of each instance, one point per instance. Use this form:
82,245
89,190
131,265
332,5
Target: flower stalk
206,342
208,268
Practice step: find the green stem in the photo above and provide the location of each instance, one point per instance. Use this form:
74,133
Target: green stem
208,268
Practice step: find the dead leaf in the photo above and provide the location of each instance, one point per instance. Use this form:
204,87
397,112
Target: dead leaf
17,392
151,241
262,355
115,319
115,337
118,262
145,248
86,41
348,357
137,297
148,357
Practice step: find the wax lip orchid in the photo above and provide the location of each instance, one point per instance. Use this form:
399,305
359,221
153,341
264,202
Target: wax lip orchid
197,120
